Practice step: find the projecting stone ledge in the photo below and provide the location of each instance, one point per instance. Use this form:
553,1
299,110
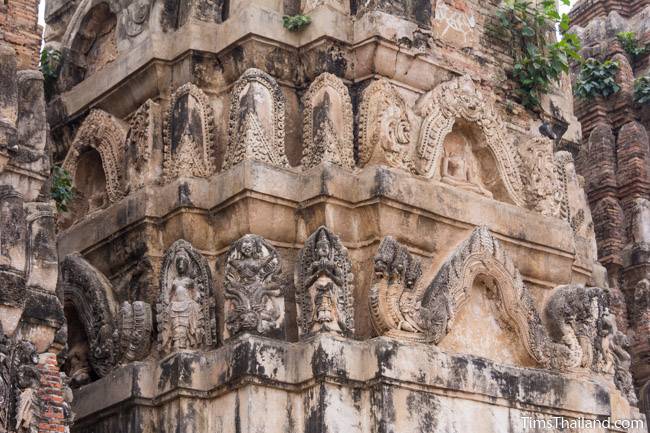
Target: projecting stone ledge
331,384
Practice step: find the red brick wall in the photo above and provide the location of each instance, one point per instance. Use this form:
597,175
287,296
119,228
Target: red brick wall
19,28
52,418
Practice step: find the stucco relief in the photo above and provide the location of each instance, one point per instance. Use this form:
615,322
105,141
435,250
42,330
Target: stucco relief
324,285
256,126
327,124
188,148
384,128
107,135
460,100
185,311
114,336
404,307
254,291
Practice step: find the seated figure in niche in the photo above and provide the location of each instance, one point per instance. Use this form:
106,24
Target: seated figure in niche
459,166
183,329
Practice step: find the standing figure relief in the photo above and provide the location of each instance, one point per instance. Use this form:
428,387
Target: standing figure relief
253,291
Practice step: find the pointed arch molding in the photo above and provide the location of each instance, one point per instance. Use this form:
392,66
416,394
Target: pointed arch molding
107,135
176,160
481,255
404,307
117,334
458,99
91,294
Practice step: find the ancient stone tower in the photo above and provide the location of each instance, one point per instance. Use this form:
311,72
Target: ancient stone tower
346,228
615,161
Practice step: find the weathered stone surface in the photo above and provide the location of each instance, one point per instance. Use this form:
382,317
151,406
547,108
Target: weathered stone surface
284,197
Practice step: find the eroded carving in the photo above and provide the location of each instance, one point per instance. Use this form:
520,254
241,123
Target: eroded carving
188,134
327,123
185,310
460,167
140,144
256,126
324,289
460,99
89,293
134,17
541,182
19,383
253,290
403,307
384,128
107,135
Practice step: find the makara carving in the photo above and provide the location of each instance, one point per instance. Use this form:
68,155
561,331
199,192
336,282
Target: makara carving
114,336
384,128
324,289
188,140
327,127
107,135
582,333
455,100
253,288
185,310
404,307
256,127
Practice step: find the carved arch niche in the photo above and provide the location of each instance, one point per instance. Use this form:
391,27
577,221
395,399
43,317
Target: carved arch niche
463,142
188,148
327,124
91,40
478,288
256,126
101,333
95,162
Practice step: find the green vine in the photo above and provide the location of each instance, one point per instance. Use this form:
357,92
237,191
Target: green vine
62,190
539,61
597,79
631,45
642,90
50,67
295,23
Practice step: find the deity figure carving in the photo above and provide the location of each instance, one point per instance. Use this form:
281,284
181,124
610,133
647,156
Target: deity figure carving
384,128
185,309
28,382
256,126
616,358
324,289
327,127
134,17
542,183
19,384
144,127
460,167
253,290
